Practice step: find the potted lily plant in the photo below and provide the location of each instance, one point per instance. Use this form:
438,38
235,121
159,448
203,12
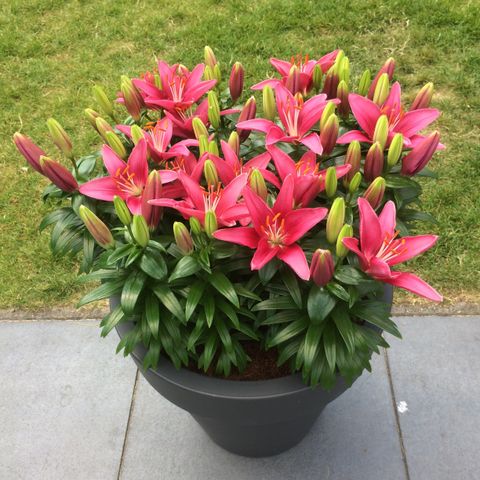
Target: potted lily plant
248,258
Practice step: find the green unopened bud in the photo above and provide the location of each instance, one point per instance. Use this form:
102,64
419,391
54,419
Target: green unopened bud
257,183
329,134
122,211
395,150
335,219
183,239
340,249
342,95
269,108
92,116
133,100
338,61
364,83
355,183
382,89
103,127
99,231
217,74
317,75
211,224
208,73
380,134
209,56
60,137
199,128
203,144
375,191
353,157
210,173
157,80
423,98
331,182
374,162
344,70
140,230
234,142
195,225
213,109
102,100
116,144
213,148
322,267
137,134
327,112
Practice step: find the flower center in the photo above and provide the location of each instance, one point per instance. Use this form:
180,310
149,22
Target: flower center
211,197
177,86
391,247
394,114
158,137
306,168
126,183
274,230
292,114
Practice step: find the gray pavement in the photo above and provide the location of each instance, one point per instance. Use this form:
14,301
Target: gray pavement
70,409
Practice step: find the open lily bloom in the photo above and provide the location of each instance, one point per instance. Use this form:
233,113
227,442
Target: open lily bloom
380,248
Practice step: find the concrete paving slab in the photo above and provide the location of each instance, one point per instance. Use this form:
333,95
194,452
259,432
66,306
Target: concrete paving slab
64,404
436,379
355,438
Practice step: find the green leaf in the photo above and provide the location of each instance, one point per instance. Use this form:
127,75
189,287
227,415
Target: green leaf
209,308
311,344
193,297
267,272
243,292
291,282
344,325
290,331
396,181
338,291
228,310
102,274
185,267
111,320
153,355
119,253
106,290
329,345
54,217
288,351
348,275
277,303
247,330
153,264
131,290
170,301
208,352
320,303
223,285
152,314
224,334
283,316
377,313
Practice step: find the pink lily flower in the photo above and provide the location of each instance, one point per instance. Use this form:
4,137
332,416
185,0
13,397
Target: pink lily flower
297,118
127,180
275,230
180,88
380,249
408,124
221,201
158,140
303,83
309,180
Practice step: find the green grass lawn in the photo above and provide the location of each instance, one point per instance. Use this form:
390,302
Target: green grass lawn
53,52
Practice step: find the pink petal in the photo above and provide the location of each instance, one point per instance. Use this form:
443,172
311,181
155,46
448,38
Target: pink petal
194,93
275,135
352,244
414,246
351,136
225,171
299,222
263,254
378,269
313,142
238,212
271,82
394,100
388,218
414,284
370,230
195,75
134,204
193,189
282,66
231,193
328,60
125,129
283,162
259,124
258,209
365,111
113,163
245,236
294,256
270,177
104,188
311,112
417,120
229,155
138,164
260,161
168,176
284,201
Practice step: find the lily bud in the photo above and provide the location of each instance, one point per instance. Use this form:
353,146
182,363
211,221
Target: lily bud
152,190
195,226
60,137
257,183
340,249
213,148
395,150
199,128
203,144
116,144
211,224
375,191
234,142
102,100
183,239
329,134
380,134
58,174
132,97
338,61
335,219
420,155
99,231
269,107
208,73
342,95
210,173
344,70
213,109
382,89
353,157
217,74
423,98
248,112
331,182
322,267
355,183
92,116
317,75
137,134
209,56
373,162
364,83
330,84
140,230
122,211
29,150
292,82
103,127
327,112
235,83
388,68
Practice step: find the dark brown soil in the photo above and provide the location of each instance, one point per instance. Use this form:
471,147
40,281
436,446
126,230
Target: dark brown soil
263,366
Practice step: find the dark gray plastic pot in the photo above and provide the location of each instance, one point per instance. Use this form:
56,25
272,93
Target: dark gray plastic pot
250,418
